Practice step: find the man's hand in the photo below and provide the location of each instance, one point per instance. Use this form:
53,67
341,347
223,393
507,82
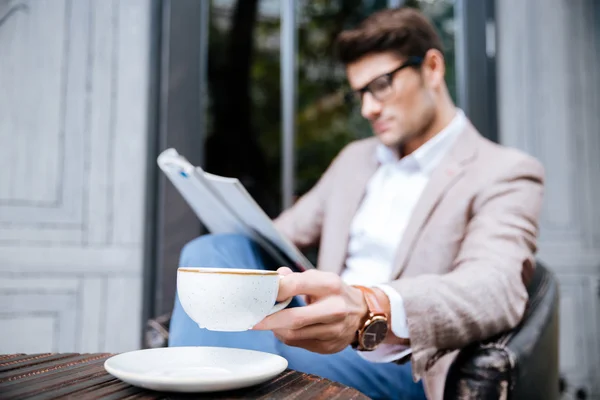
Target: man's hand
328,323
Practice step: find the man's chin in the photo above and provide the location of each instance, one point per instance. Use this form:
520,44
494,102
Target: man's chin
389,139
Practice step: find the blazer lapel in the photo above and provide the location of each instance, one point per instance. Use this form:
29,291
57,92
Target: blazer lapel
442,178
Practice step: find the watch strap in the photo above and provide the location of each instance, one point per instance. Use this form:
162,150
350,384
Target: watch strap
375,308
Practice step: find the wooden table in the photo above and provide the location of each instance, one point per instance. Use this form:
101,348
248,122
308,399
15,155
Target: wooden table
82,376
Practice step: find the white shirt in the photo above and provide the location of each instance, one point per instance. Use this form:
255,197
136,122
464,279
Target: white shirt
379,224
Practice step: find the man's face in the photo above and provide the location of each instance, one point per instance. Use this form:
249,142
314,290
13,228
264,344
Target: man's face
399,107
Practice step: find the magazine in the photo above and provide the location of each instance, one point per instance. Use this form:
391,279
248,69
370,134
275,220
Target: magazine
224,205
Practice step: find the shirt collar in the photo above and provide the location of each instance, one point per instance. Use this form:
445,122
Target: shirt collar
431,152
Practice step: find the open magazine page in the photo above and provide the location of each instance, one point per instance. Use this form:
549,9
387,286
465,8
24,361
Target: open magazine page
207,206
224,206
241,202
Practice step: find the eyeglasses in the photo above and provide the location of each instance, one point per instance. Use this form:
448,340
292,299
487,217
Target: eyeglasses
381,87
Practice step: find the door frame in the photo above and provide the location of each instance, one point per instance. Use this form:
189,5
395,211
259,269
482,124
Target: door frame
177,119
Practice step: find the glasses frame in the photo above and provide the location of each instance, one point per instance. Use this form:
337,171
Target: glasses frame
356,96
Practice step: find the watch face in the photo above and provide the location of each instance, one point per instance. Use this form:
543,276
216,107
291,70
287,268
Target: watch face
374,334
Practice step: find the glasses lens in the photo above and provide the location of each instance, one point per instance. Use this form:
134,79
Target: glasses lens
381,88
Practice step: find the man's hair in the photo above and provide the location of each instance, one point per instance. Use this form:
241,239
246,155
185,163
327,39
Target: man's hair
404,31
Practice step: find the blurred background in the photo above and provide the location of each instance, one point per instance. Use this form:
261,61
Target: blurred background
92,90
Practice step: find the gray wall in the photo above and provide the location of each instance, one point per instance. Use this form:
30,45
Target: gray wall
74,80
549,105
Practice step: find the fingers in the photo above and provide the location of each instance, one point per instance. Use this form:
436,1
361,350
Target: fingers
327,311
312,283
284,271
323,332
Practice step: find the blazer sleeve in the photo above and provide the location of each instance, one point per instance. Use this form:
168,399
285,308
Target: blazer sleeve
485,294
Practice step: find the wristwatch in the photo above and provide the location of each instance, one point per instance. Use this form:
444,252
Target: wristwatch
375,328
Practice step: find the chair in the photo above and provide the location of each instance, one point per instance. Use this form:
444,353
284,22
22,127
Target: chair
519,364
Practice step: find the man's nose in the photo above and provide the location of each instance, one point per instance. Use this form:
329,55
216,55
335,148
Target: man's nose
371,107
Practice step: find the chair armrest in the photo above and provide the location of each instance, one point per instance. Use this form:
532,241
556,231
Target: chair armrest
519,364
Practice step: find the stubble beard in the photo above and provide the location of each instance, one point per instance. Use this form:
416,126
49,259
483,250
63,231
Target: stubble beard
419,132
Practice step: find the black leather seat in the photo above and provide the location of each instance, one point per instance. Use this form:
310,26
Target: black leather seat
520,364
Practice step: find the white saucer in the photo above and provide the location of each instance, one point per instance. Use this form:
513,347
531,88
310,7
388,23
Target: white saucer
195,369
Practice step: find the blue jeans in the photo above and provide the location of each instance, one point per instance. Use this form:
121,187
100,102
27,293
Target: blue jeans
376,380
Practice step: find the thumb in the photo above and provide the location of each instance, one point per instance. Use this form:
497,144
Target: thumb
283,271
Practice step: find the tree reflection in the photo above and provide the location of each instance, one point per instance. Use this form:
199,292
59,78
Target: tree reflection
244,88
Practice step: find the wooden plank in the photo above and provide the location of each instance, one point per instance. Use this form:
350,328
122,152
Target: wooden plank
46,378
52,314
99,186
20,282
83,388
25,332
77,111
29,302
10,362
92,314
27,364
122,326
131,134
30,135
40,234
69,152
72,259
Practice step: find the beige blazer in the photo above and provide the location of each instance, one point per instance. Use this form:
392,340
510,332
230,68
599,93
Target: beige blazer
466,255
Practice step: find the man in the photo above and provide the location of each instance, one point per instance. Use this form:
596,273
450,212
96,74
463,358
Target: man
439,223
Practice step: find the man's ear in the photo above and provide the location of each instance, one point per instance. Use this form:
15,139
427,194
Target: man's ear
433,68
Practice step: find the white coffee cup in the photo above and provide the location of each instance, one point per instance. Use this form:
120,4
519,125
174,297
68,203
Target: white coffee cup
224,299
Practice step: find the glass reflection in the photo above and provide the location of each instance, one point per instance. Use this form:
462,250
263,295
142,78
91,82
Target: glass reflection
244,105
325,124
